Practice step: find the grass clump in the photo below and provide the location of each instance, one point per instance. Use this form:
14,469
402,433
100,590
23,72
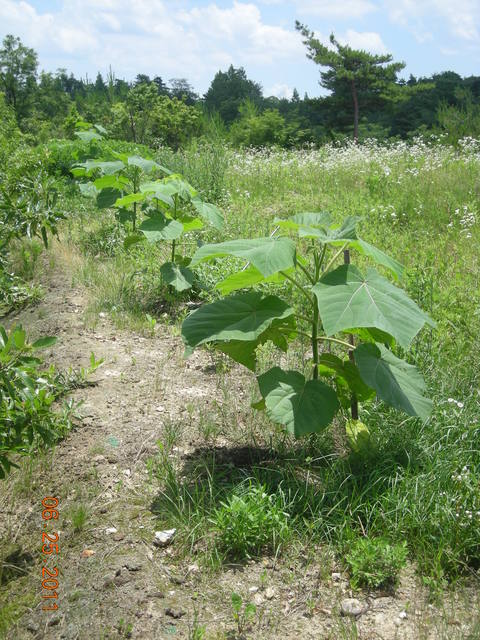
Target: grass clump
375,562
251,521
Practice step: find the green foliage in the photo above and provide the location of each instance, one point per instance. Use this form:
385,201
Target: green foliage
462,120
27,393
18,69
243,612
168,206
251,521
146,116
337,301
228,92
254,129
375,562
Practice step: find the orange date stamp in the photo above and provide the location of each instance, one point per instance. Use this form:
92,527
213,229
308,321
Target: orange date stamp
49,550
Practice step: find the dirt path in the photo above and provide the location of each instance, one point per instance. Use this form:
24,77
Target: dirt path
113,581
142,385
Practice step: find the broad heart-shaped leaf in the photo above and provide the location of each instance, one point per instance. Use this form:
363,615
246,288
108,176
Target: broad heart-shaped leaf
114,181
144,164
129,199
244,317
347,299
245,352
307,219
302,406
177,276
268,255
210,213
176,185
107,198
159,191
190,224
379,257
101,129
333,234
159,227
246,278
107,168
396,382
88,136
347,371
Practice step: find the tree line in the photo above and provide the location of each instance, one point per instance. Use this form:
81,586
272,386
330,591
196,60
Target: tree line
366,99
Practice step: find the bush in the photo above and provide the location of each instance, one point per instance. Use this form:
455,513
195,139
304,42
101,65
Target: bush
251,521
26,397
375,562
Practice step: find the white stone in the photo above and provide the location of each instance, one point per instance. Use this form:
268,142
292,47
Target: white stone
164,538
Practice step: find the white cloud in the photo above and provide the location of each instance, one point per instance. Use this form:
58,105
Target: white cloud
279,90
462,16
366,40
151,36
341,9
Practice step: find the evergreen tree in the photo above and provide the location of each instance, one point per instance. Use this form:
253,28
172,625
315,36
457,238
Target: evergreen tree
228,92
352,74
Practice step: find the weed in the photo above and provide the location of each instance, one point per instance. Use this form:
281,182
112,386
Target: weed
78,516
243,612
251,521
375,562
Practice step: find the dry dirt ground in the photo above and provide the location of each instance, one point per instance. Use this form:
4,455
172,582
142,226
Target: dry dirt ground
114,583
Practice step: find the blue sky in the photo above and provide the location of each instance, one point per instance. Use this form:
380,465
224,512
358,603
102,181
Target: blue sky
194,39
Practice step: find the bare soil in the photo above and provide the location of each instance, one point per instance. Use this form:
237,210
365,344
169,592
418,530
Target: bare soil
114,582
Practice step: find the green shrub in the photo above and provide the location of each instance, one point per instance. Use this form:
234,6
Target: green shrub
375,562
251,521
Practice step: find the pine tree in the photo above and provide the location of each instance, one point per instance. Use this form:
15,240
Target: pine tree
352,74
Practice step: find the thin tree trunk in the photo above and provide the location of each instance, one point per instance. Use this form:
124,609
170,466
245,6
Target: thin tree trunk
355,112
353,401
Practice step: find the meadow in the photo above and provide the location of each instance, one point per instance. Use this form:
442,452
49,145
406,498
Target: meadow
240,491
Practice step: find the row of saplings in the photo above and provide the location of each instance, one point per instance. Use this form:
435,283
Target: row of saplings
352,322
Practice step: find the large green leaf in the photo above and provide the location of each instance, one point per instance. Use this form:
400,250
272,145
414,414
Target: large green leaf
302,406
210,213
108,198
113,181
177,276
379,257
158,190
176,185
279,332
336,234
88,136
331,364
161,228
190,224
144,164
243,317
268,255
129,199
246,278
307,219
347,299
106,167
396,382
